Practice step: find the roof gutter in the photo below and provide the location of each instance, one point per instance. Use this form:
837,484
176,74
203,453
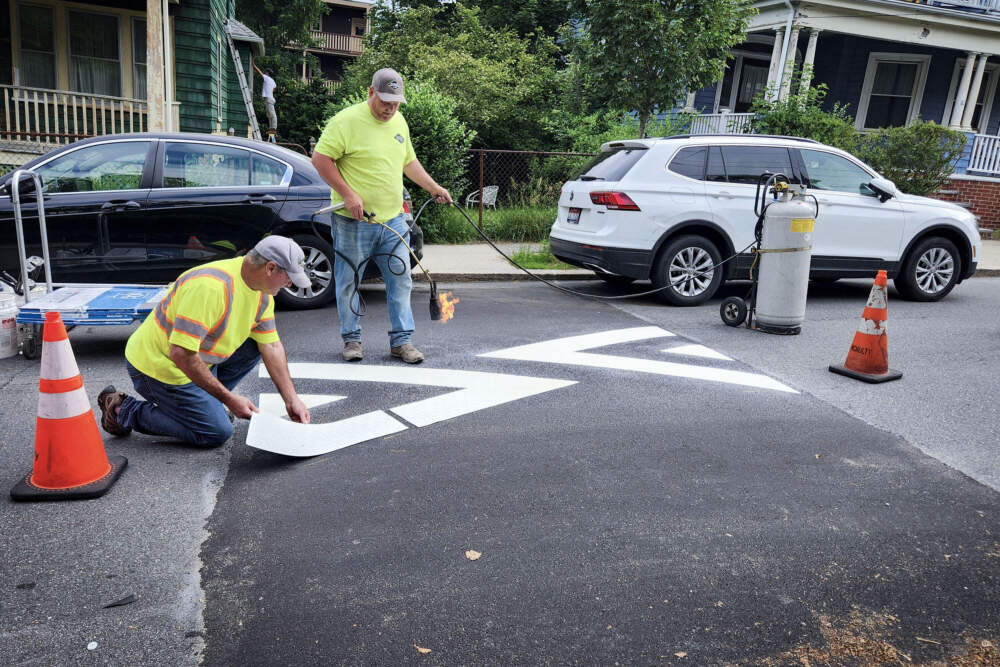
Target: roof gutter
784,47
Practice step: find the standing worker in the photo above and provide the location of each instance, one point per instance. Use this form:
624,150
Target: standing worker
267,92
362,154
211,329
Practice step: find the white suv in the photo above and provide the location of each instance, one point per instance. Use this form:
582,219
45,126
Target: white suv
663,209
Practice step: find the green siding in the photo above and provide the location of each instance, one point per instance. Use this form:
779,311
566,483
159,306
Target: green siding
201,53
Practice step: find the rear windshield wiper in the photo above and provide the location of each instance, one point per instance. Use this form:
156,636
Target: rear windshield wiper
591,178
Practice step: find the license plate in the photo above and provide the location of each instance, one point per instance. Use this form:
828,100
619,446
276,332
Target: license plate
573,217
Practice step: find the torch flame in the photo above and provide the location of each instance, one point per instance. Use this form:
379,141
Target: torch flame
447,306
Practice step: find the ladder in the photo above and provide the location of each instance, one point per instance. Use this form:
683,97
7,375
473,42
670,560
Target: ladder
244,89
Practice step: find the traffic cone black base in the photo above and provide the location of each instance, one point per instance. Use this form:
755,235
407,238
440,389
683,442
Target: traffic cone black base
25,491
864,377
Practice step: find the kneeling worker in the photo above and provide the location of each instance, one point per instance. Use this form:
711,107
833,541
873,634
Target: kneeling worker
211,329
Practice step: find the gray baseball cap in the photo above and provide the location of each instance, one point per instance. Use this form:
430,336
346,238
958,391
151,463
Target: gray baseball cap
287,254
388,85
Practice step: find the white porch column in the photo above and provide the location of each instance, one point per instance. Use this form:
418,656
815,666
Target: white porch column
168,77
772,73
156,112
786,76
807,63
963,92
977,82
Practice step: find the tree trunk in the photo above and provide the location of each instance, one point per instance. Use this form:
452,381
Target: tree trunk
643,119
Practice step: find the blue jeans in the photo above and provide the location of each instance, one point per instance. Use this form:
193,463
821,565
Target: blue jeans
186,411
358,241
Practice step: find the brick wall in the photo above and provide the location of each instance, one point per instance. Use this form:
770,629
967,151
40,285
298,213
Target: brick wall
981,196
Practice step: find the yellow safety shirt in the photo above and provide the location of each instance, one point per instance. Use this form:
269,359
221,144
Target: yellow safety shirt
209,310
370,155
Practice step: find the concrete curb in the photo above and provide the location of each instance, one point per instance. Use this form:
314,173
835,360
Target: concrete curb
502,277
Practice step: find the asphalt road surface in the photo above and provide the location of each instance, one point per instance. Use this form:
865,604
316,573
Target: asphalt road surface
663,490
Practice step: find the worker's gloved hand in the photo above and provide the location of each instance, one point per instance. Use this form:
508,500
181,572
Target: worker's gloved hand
241,406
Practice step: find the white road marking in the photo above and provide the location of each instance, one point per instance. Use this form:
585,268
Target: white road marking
697,351
568,351
282,436
273,404
475,391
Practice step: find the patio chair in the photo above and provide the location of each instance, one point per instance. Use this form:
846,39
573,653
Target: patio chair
489,197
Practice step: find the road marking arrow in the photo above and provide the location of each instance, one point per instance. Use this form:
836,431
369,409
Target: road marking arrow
697,351
569,351
476,391
273,404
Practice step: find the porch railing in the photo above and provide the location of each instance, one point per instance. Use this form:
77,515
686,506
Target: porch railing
721,123
335,41
982,5
985,156
59,116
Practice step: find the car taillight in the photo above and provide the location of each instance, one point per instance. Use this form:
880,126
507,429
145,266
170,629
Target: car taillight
618,201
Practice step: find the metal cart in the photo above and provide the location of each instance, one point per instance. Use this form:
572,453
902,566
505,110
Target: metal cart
87,304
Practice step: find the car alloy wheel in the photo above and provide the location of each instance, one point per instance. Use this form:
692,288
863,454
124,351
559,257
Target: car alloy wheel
930,271
934,270
686,271
691,271
318,265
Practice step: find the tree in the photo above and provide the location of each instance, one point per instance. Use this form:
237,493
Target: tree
280,23
648,54
501,83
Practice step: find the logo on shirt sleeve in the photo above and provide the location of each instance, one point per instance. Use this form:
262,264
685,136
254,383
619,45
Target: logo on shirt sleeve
399,138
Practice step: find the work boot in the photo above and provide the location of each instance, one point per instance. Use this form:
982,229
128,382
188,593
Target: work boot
108,401
352,351
407,353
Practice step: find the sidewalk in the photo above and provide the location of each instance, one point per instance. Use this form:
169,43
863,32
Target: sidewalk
478,261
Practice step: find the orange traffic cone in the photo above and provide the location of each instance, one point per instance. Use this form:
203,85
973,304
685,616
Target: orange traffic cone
868,358
70,462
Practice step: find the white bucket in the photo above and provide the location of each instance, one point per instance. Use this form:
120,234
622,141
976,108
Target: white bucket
9,338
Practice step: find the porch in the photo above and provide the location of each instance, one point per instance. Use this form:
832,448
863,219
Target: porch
50,116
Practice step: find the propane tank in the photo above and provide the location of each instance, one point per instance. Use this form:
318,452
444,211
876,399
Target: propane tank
785,252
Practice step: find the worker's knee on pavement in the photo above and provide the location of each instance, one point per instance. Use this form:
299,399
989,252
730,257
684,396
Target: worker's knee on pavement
216,436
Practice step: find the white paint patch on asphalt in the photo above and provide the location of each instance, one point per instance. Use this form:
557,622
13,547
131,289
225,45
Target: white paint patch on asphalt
273,404
697,351
281,436
568,351
475,391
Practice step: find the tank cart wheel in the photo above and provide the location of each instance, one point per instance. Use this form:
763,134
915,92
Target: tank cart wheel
31,346
733,311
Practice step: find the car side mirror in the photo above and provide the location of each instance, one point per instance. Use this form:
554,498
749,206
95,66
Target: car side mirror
884,188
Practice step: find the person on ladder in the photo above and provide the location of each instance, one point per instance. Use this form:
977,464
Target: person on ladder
267,92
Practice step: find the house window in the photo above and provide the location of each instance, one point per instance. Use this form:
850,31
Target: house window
94,54
38,53
139,59
984,103
892,90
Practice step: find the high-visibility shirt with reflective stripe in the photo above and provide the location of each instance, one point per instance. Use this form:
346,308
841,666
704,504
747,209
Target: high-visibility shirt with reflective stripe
208,310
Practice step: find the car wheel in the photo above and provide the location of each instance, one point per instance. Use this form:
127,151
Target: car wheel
617,281
318,264
930,271
687,266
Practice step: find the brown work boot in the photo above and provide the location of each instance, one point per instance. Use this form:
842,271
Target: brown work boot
407,353
352,351
108,401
